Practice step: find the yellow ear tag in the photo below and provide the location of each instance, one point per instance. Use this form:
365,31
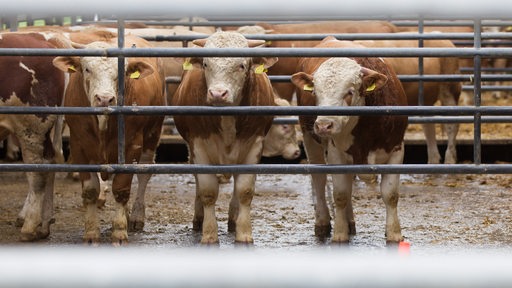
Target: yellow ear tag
307,87
268,43
508,29
135,75
187,65
71,68
370,88
260,69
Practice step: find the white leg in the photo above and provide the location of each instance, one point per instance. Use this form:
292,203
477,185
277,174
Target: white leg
120,225
448,99
389,188
207,189
244,191
90,192
430,137
315,153
138,212
342,193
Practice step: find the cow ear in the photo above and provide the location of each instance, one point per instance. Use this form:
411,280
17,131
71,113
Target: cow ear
138,70
372,80
303,81
261,64
67,63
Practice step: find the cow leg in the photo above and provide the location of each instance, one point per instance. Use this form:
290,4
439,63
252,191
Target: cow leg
197,222
451,129
234,209
137,215
207,189
90,193
343,216
244,191
430,137
121,185
389,188
315,155
37,220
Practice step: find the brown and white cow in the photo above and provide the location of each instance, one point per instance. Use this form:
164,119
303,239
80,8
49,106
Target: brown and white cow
228,81
32,81
93,138
350,139
287,65
447,93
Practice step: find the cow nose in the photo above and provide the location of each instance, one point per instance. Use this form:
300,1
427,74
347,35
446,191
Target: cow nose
218,93
104,100
323,126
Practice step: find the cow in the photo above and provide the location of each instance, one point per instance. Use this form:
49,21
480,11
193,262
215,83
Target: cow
93,138
282,139
287,65
447,93
237,139
32,81
350,139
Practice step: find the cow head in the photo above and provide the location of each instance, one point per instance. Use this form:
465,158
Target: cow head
339,82
227,76
100,74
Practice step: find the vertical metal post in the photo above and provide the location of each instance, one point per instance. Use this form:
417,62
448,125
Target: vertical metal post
421,96
120,96
477,147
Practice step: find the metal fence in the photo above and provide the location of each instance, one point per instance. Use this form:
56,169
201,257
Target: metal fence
476,114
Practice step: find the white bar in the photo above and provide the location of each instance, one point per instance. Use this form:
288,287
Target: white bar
215,267
448,8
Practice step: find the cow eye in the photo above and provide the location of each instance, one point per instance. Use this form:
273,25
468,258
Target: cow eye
242,67
205,65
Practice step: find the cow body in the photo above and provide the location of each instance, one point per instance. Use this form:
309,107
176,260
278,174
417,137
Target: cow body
93,138
32,81
287,65
447,93
350,139
224,139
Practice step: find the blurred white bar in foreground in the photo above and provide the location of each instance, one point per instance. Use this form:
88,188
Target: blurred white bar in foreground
449,8
329,267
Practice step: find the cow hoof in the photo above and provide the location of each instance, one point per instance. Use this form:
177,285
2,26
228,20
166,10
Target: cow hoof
119,237
119,242
92,238
209,241
352,228
323,231
339,239
135,226
231,226
29,237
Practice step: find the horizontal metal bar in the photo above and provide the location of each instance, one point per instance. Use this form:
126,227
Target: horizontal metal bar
342,36
264,110
265,168
252,52
489,88
411,119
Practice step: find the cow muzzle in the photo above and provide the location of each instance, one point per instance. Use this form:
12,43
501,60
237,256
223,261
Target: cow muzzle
104,100
324,127
218,96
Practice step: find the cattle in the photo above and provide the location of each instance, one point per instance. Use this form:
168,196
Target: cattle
215,140
32,81
447,93
287,65
93,138
350,139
